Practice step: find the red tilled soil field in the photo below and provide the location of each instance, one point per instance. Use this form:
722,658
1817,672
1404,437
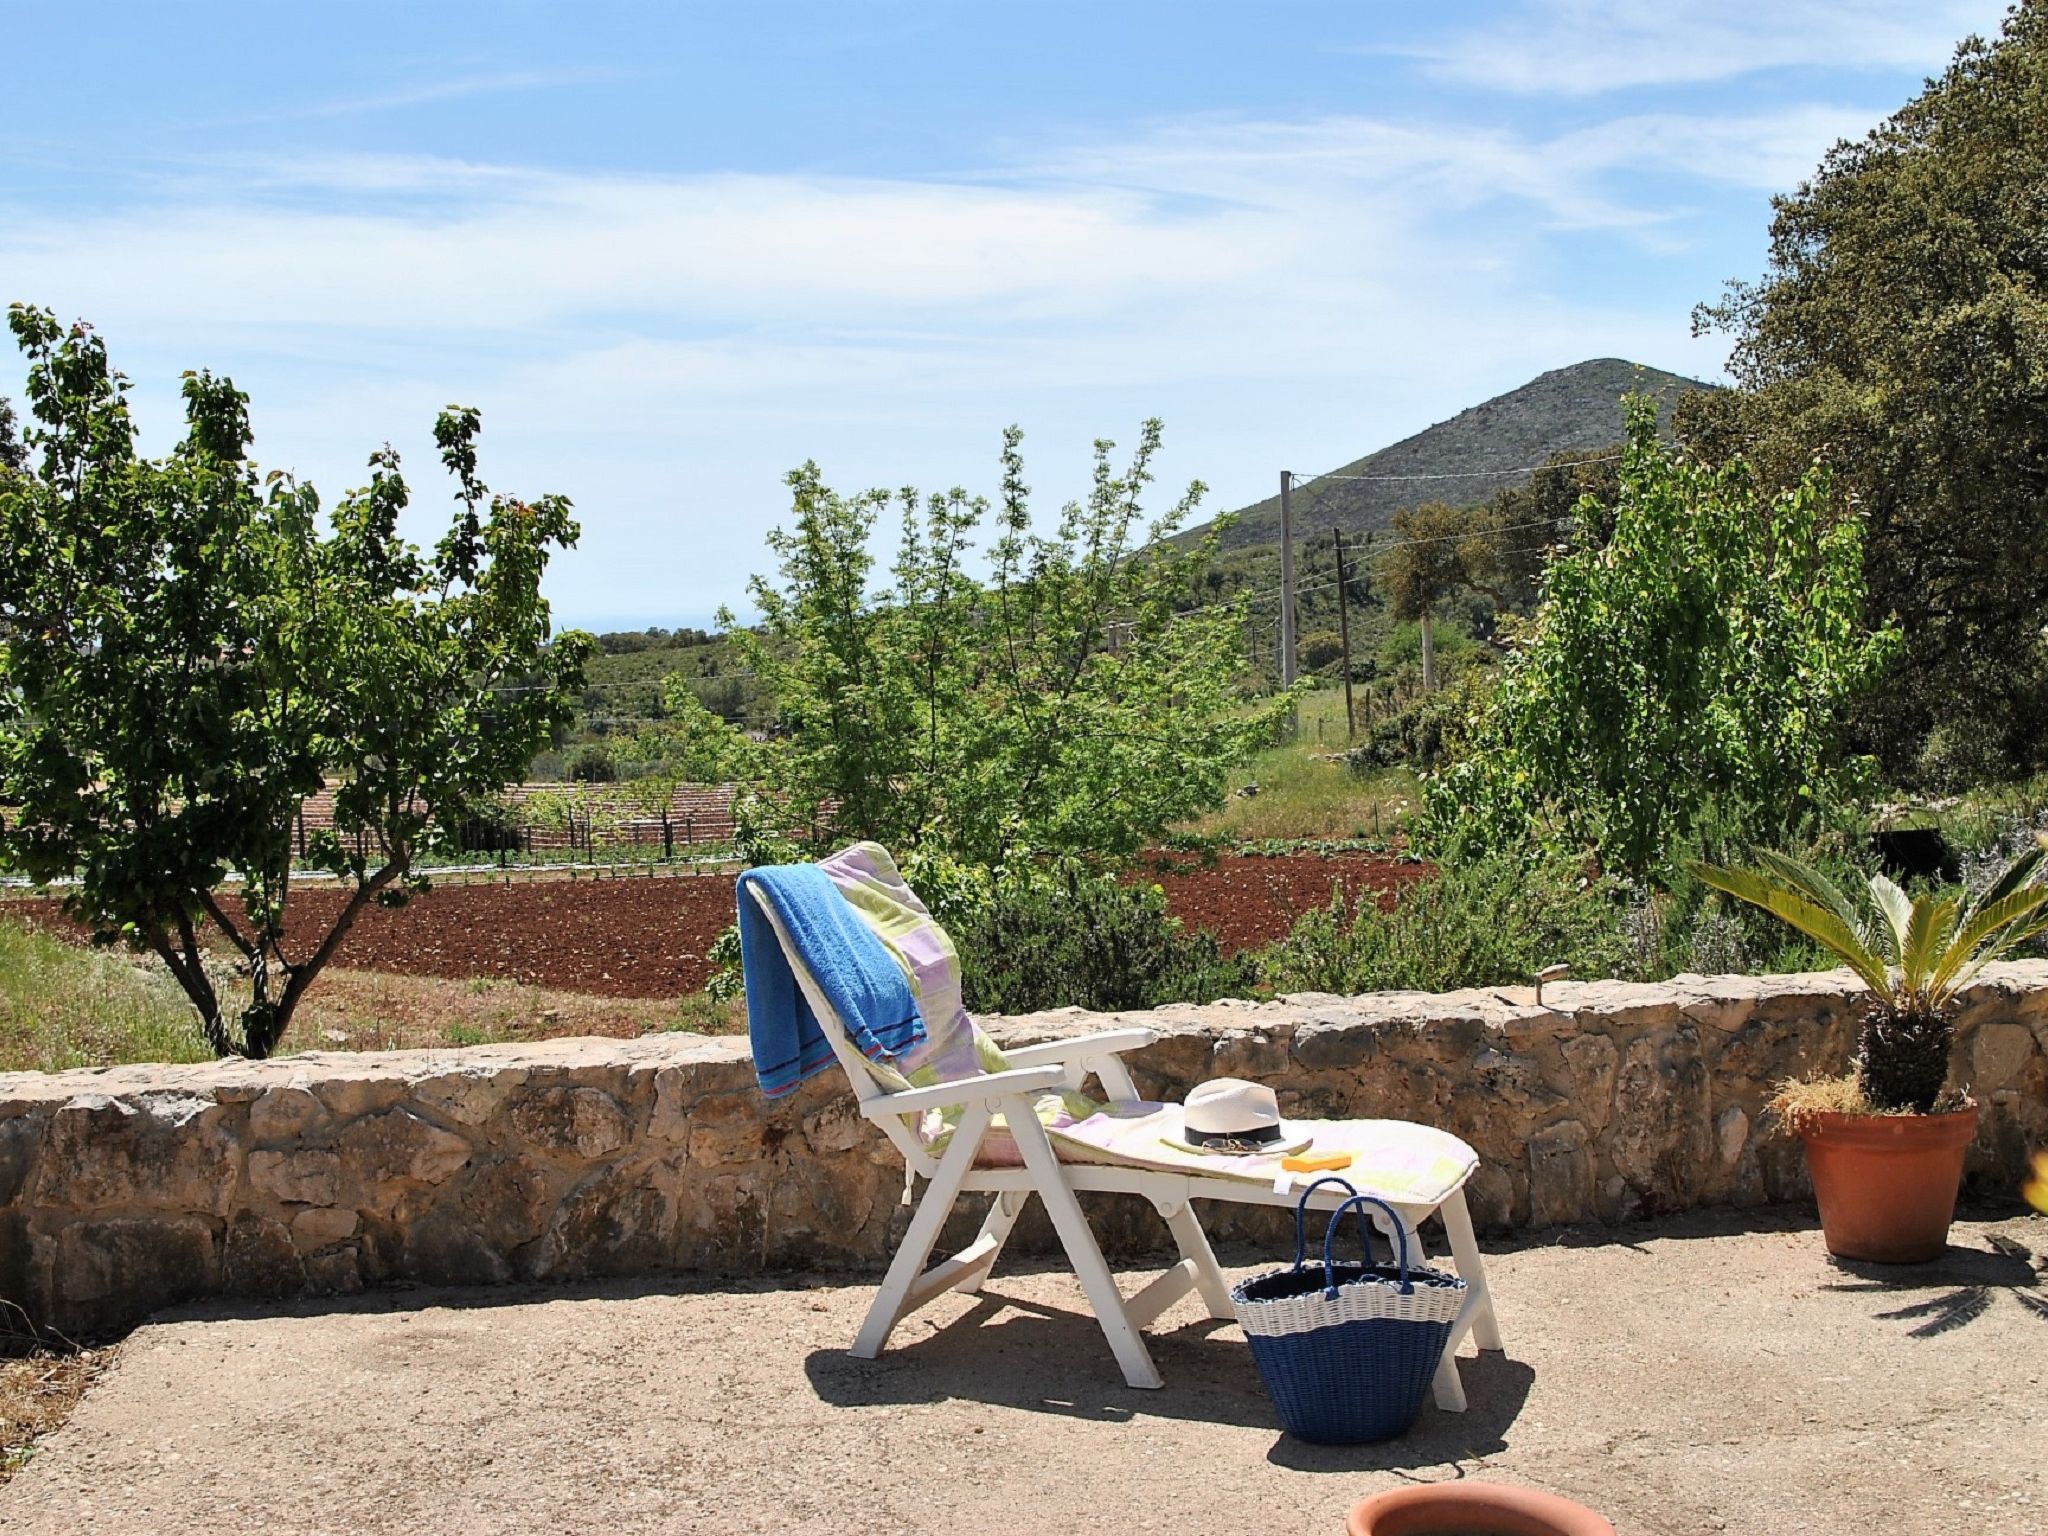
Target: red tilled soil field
1248,902
609,938
646,938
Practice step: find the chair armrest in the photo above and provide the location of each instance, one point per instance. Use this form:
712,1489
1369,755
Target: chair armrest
1111,1042
988,1085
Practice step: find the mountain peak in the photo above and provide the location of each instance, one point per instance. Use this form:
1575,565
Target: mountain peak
1484,449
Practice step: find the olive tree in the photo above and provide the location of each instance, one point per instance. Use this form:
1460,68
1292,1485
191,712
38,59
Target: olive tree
188,650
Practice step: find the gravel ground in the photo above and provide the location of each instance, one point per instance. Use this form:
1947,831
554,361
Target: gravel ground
1693,1376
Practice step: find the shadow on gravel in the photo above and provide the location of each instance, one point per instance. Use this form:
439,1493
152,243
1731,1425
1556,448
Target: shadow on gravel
1016,1353
1966,1282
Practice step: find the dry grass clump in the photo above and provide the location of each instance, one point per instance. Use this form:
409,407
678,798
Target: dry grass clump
37,1393
1798,1100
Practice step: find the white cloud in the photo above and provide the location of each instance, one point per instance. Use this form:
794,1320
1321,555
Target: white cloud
663,348
428,92
1585,47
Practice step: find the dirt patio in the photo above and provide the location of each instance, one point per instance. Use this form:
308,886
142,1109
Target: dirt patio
1693,1376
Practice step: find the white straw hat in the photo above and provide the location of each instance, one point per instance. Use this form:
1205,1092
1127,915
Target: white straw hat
1230,1114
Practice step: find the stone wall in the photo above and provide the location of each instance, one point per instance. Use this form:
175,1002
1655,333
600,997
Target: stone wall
127,1189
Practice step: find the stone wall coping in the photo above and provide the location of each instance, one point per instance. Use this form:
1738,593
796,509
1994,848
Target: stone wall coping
1723,1001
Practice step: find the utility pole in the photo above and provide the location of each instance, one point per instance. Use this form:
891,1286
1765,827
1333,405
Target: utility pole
1286,578
1344,633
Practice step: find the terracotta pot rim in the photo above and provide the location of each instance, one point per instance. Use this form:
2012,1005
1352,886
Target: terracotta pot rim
1528,1511
1879,1132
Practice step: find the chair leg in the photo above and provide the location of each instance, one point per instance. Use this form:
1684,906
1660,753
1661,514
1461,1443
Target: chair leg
891,1301
1193,1243
1125,1342
1002,1216
1471,1269
1447,1385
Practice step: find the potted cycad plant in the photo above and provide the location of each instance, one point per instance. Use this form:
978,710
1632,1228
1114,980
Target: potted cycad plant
1885,1144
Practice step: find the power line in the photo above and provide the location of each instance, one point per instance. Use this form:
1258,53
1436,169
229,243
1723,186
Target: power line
1465,474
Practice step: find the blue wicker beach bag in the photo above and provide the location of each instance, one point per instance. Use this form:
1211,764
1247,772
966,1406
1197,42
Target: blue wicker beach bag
1347,1350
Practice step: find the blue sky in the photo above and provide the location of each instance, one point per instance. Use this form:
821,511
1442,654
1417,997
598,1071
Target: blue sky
672,251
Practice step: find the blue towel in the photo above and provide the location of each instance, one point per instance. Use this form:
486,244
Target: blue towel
859,978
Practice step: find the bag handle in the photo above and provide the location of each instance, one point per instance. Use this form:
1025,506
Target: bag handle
1330,1242
1301,1214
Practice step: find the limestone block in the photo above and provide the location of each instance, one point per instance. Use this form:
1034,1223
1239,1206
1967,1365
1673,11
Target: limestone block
505,1203
1490,1194
838,1127
287,1112
314,1228
385,1156
259,1259
310,1177
335,1273
357,1089
1253,1054
586,1121
1323,1047
167,1150
1560,1175
1997,1052
670,1120
1731,1134
120,1268
471,1096
1592,1060
611,1224
728,1128
1659,1139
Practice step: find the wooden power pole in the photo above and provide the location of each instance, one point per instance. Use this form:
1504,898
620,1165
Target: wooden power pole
1286,578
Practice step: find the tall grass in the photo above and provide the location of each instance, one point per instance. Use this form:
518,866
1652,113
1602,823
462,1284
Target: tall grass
61,1006
1303,792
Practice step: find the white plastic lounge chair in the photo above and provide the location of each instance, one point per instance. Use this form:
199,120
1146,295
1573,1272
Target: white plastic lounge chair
1066,1064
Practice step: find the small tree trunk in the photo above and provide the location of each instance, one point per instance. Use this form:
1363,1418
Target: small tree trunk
1428,653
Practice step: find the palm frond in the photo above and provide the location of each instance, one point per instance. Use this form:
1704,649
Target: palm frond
1930,924
1897,909
1813,885
1995,929
2015,875
1818,922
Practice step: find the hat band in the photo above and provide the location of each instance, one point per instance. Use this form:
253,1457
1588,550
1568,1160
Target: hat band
1258,1136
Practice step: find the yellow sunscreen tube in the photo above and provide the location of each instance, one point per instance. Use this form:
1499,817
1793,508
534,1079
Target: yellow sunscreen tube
1309,1162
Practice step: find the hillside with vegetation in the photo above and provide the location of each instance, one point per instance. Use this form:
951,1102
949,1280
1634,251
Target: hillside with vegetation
1574,410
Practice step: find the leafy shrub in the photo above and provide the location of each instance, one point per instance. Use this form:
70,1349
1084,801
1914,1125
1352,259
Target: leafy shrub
1074,937
1320,649
1682,924
1495,921
593,764
1430,732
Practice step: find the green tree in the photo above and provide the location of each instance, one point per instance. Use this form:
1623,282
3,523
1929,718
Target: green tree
1707,652
12,454
185,655
1424,569
1900,334
1059,704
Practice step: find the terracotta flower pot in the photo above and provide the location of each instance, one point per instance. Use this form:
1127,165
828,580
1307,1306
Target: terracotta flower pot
1887,1183
1473,1509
